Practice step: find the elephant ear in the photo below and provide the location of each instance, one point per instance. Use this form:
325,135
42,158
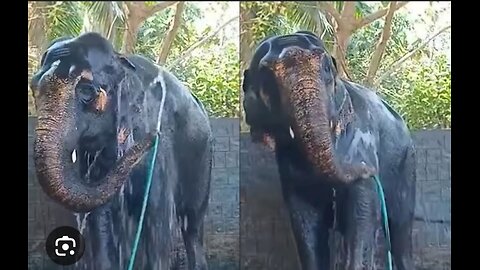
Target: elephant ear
335,67
334,61
125,61
247,84
246,80
52,54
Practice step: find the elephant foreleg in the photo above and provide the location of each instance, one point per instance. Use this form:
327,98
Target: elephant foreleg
310,230
192,235
401,213
402,245
360,218
104,251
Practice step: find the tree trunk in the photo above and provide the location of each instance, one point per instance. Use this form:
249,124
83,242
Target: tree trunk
245,38
246,52
344,28
37,41
342,37
132,23
199,43
377,15
135,14
36,25
172,32
382,44
346,25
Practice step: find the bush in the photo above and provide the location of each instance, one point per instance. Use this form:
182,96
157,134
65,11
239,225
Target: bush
424,98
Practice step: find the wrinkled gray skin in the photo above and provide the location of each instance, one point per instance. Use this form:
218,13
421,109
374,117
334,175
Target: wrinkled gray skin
341,134
69,118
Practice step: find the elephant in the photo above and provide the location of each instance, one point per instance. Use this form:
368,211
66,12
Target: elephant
97,117
330,137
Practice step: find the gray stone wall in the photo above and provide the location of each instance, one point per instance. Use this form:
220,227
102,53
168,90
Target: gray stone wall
221,229
266,239
247,225
432,235
265,235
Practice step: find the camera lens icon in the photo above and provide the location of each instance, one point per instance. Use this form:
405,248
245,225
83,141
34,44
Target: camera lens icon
65,245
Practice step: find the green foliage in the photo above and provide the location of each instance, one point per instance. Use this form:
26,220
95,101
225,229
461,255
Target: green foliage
424,97
154,29
363,43
64,19
420,90
213,76
269,19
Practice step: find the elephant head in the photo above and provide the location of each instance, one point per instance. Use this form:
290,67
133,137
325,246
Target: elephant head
76,137
290,90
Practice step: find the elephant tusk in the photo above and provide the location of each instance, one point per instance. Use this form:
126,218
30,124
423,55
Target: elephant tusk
87,75
87,158
71,70
338,130
74,155
291,133
101,101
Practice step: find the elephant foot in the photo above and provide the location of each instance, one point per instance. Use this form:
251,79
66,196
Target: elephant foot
193,244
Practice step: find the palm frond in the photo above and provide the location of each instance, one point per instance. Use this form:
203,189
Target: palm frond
64,19
102,16
339,5
303,16
307,17
101,13
328,30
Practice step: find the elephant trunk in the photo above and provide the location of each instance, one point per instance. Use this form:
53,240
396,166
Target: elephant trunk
56,138
305,95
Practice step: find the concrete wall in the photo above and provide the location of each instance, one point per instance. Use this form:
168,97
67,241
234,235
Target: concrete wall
432,241
265,234
247,225
221,232
222,229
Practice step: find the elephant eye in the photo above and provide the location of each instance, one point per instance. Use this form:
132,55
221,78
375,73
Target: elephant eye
327,67
86,92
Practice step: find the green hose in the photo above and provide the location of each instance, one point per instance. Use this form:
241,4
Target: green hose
386,228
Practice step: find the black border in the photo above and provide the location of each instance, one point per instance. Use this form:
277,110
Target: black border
465,70
462,114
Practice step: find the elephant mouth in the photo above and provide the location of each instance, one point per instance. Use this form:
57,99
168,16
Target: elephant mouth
264,138
87,163
269,141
